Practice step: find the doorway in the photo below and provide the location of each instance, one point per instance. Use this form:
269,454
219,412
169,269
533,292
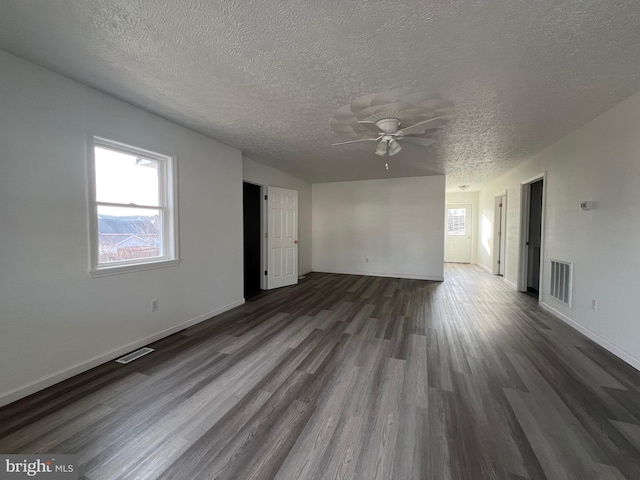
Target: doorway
535,237
252,239
531,236
458,224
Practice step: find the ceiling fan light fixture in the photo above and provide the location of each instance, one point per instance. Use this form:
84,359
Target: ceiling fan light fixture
382,148
388,124
394,147
393,117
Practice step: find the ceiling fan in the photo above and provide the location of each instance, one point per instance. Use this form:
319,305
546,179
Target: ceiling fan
392,118
390,135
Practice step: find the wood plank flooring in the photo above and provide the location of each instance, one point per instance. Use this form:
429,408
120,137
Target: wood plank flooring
351,377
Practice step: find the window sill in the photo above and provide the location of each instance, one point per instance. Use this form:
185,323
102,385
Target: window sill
117,270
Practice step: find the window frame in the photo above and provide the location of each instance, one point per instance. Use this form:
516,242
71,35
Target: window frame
167,205
456,226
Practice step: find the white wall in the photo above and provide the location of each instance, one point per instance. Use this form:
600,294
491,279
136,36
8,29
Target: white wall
468,198
261,174
398,224
599,162
54,319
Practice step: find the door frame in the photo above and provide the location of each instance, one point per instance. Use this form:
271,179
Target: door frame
495,269
523,257
472,228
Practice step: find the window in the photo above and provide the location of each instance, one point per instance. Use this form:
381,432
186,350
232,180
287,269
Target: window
456,218
133,209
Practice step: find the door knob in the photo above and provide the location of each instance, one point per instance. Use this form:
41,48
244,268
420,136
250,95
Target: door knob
295,241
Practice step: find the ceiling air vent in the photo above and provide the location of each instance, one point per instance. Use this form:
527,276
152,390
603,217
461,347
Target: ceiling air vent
130,357
561,281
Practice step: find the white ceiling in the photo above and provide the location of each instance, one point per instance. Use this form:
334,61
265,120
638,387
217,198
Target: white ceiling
266,76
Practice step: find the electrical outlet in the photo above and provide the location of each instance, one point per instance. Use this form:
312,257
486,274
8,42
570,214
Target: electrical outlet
154,305
594,304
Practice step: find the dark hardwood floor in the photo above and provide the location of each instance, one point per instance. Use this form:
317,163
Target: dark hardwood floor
345,377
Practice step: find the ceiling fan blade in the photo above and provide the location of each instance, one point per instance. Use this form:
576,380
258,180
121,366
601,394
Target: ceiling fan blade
362,103
357,141
371,125
389,97
415,127
420,97
343,113
423,142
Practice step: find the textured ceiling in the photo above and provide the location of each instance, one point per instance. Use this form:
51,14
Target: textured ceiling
267,76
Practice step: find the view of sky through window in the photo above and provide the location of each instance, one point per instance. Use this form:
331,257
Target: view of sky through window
125,178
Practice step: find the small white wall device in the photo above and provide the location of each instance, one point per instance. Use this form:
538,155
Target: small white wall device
585,205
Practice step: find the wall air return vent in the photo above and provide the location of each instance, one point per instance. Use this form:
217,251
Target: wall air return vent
130,357
561,281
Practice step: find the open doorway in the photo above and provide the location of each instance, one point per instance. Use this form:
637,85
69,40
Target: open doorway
529,278
252,206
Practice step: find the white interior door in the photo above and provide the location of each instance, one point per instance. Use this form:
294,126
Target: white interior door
457,247
282,237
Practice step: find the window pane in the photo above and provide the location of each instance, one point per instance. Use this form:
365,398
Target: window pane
126,178
128,234
456,221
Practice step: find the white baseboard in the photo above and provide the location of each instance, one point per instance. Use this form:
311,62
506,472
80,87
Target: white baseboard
485,268
61,375
606,344
304,272
509,282
385,274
